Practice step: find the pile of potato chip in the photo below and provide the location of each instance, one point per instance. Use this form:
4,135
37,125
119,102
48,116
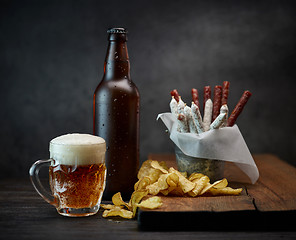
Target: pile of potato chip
128,210
156,178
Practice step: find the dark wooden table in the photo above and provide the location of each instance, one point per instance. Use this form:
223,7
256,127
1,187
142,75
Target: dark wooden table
24,215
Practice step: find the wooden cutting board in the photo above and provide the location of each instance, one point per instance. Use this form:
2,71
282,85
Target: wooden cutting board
268,204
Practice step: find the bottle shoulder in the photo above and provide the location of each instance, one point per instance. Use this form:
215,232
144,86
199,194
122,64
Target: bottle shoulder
116,87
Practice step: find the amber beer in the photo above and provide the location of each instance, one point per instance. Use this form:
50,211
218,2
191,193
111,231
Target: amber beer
116,117
77,173
77,186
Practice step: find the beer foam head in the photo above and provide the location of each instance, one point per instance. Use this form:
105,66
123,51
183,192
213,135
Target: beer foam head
77,149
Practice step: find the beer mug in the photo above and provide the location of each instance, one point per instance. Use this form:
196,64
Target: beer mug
77,174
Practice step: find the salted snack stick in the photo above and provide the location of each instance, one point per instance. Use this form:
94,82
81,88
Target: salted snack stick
181,105
238,108
225,91
207,94
224,109
218,121
174,106
207,119
189,117
175,94
197,118
195,97
182,123
217,101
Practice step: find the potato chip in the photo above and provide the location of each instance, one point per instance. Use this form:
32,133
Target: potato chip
147,170
165,192
195,175
110,206
156,165
118,212
225,191
151,203
135,199
172,180
117,200
184,174
163,164
177,191
199,186
184,183
142,183
161,184
222,184
209,186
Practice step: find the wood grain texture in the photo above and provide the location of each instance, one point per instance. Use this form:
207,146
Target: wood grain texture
276,188
207,204
271,198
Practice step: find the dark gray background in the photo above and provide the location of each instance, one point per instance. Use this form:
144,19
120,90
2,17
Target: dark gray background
52,55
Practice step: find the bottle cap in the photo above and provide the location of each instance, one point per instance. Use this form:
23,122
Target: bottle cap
117,30
117,34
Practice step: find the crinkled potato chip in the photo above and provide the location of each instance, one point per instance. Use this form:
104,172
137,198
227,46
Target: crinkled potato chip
117,200
225,191
151,203
209,186
135,199
163,164
184,174
118,212
172,180
156,165
147,170
161,184
195,175
177,191
185,184
222,184
165,192
142,183
110,206
199,186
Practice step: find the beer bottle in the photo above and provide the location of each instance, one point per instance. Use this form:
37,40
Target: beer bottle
116,117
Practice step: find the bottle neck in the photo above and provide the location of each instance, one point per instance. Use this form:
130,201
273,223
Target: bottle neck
117,64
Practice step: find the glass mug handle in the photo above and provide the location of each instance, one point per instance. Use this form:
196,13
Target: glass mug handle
34,176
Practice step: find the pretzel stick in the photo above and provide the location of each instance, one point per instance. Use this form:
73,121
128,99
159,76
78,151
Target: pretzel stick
217,102
189,117
225,91
182,123
218,121
174,107
207,95
224,109
207,119
195,97
181,105
175,94
238,108
197,118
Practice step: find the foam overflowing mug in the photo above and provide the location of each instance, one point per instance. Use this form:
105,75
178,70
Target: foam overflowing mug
77,174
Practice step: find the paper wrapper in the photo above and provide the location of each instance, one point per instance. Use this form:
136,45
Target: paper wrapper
225,144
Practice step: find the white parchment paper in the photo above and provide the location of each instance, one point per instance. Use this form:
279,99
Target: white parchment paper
226,144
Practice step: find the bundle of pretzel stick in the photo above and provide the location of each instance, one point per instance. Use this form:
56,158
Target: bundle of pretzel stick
215,111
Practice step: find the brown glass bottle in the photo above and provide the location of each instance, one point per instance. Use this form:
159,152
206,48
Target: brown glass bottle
116,117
